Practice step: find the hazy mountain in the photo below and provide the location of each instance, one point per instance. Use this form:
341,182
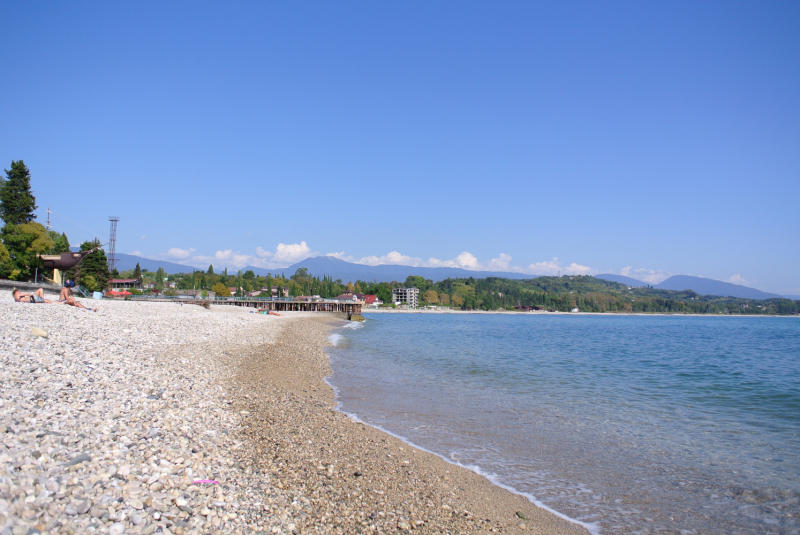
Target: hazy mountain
699,285
347,271
128,261
712,287
634,283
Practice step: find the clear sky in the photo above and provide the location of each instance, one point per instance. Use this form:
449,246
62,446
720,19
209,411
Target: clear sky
643,138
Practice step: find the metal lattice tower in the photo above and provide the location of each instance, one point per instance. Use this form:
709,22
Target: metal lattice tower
112,244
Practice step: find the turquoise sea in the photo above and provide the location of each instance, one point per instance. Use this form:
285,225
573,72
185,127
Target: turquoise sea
629,424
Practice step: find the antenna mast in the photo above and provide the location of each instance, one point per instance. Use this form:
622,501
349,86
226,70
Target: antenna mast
48,218
112,244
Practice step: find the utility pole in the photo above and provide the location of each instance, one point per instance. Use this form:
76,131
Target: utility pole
48,218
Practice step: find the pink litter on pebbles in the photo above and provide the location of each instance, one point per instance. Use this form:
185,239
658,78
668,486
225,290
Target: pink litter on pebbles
206,481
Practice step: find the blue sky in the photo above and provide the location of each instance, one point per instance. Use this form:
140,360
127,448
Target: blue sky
640,138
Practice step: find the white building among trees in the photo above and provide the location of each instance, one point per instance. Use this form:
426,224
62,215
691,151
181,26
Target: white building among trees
408,296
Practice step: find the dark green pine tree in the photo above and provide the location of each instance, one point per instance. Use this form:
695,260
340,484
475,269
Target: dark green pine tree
137,272
60,244
95,264
17,202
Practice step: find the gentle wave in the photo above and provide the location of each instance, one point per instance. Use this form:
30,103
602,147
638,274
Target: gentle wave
592,528
626,424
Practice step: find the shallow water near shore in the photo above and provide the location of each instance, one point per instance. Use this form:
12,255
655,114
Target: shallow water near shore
635,424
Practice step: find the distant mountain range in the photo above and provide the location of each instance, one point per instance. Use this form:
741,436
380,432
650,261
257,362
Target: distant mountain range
700,285
348,271
128,261
633,283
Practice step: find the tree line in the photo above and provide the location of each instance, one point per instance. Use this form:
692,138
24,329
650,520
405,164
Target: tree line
22,239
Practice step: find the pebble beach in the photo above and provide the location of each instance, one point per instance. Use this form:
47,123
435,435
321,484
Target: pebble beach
167,418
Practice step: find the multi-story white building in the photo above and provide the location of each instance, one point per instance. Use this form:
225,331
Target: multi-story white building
408,296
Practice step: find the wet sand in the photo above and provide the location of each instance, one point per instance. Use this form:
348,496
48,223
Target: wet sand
350,477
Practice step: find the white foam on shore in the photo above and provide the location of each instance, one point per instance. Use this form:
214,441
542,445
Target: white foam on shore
592,527
335,338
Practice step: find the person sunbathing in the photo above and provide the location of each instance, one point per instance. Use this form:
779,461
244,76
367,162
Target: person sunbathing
38,297
35,297
66,291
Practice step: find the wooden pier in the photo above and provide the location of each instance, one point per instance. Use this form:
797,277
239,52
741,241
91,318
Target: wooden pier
279,305
293,306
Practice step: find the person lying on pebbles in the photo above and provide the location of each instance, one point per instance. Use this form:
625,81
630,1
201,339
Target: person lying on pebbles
38,297
35,297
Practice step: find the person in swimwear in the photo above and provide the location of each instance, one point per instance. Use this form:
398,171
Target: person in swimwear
38,297
35,297
66,291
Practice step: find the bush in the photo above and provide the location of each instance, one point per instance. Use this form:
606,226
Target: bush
89,282
221,290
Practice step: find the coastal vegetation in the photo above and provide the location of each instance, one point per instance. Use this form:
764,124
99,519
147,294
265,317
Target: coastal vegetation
587,294
22,239
563,294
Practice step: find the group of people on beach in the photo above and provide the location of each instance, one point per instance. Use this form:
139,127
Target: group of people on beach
65,297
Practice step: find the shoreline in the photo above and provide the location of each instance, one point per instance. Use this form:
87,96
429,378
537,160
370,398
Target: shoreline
161,418
381,483
591,528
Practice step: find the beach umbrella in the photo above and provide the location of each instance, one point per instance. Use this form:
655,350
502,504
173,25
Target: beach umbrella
125,292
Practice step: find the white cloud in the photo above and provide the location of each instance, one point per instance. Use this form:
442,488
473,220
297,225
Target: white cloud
465,260
468,261
136,253
551,267
501,263
342,256
645,275
292,253
577,269
554,267
392,258
229,257
287,254
143,236
283,256
181,254
738,279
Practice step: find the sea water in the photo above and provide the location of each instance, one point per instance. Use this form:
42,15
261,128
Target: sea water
628,424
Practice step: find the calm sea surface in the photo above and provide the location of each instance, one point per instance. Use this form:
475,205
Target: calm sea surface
633,424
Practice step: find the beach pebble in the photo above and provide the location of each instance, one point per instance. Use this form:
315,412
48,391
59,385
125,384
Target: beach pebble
36,331
108,422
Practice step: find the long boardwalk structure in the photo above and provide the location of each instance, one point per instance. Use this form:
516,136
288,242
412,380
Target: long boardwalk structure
293,306
278,305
